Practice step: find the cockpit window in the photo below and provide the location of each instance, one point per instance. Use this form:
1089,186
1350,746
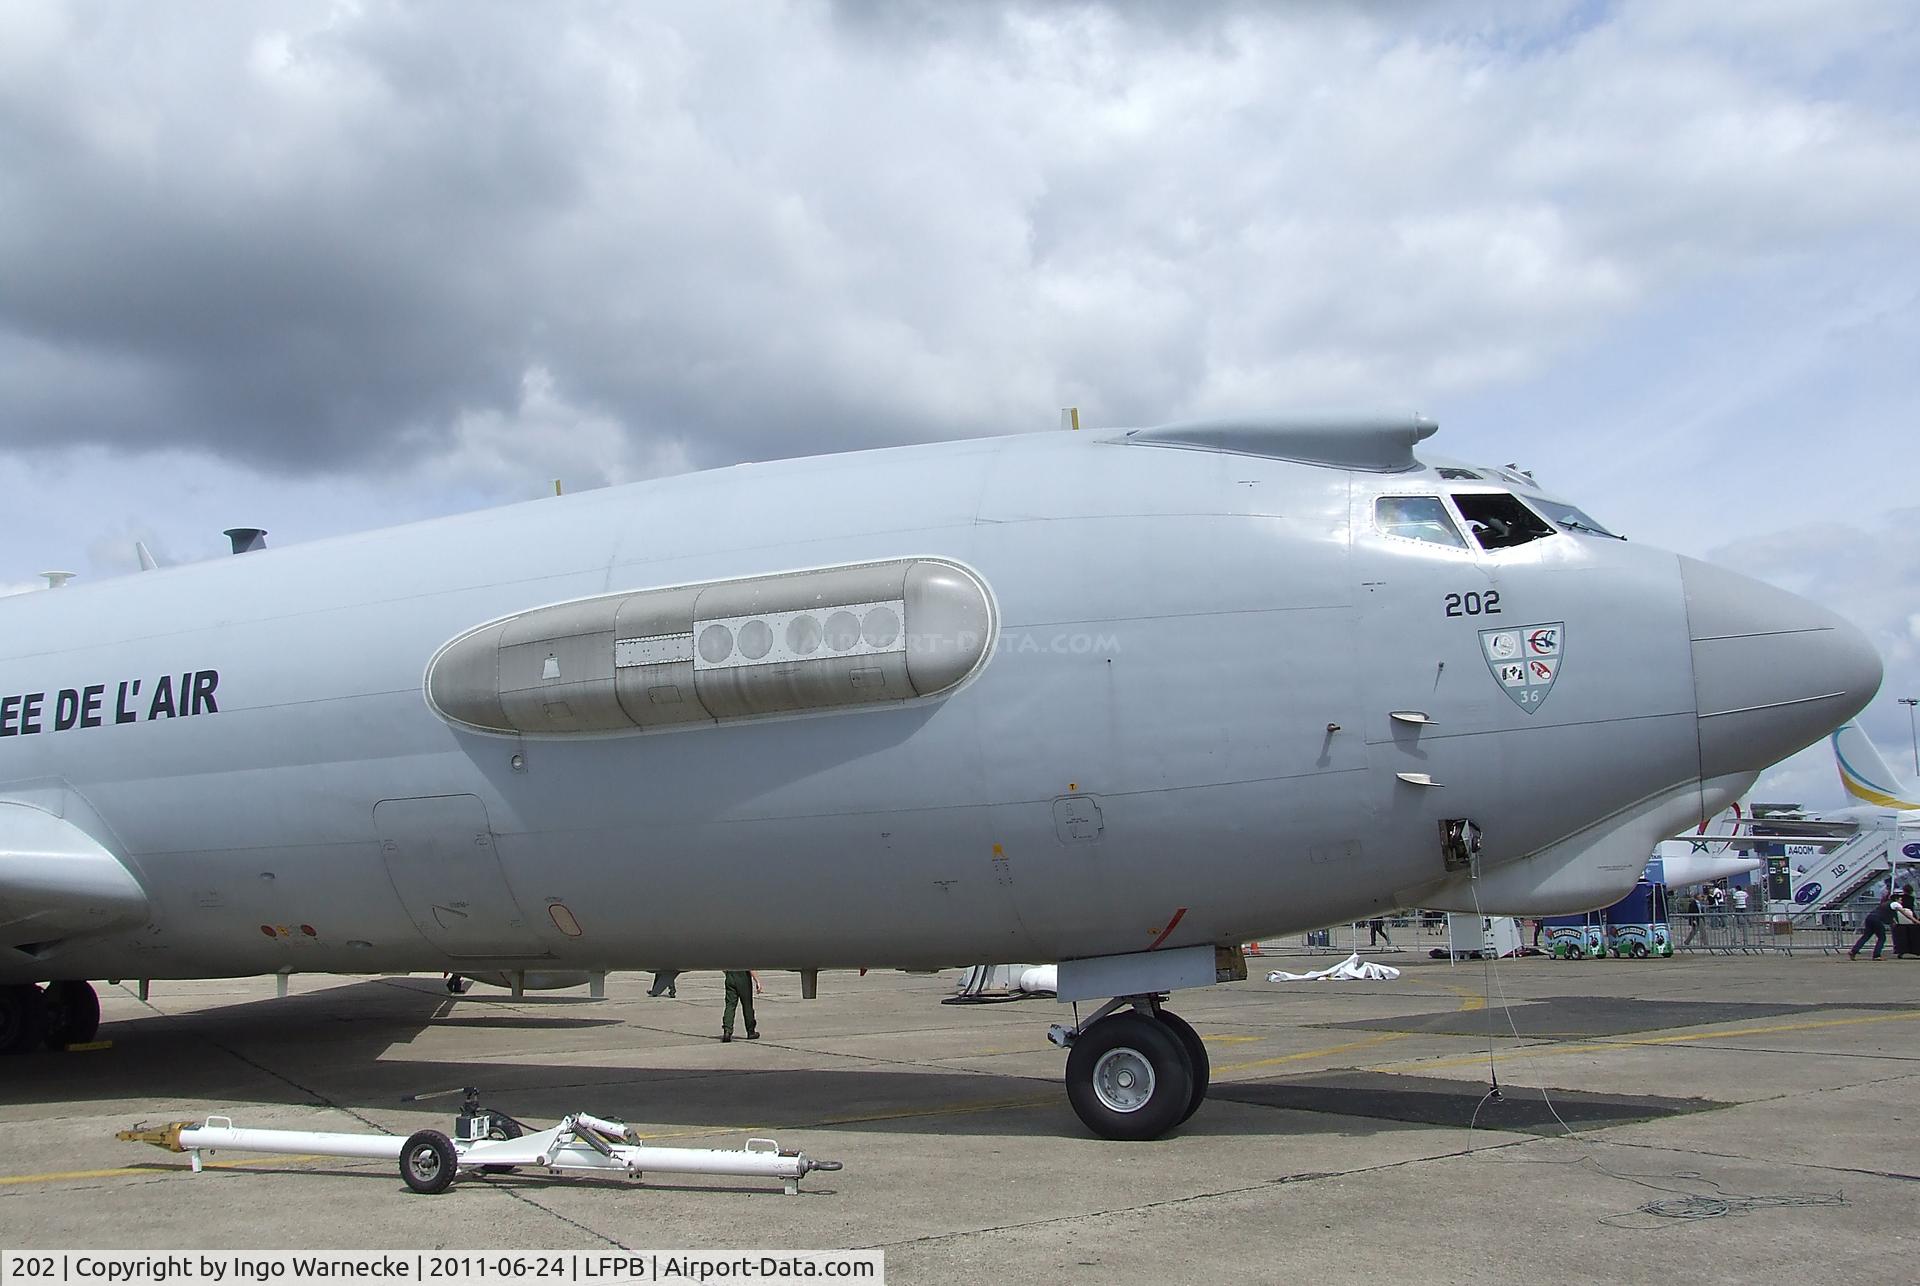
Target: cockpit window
1417,518
1570,518
1498,520
1452,474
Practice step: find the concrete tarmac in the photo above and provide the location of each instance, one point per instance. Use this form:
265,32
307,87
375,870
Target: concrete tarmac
1704,1119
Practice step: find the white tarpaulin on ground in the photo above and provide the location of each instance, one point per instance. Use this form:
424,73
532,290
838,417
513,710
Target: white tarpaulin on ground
1353,967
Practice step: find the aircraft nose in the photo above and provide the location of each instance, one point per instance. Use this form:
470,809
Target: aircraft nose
1771,671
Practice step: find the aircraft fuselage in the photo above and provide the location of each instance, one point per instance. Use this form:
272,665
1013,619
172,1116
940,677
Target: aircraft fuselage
1221,703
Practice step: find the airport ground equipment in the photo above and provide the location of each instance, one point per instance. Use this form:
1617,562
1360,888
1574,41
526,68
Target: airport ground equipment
1636,925
491,1142
991,984
1481,936
1639,941
1576,937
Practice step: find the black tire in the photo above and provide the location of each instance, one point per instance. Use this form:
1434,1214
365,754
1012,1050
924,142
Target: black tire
1198,1065
506,1129
1129,1078
23,1018
73,1014
428,1162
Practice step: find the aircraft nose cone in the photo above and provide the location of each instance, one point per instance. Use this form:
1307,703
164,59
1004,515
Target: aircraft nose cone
1771,672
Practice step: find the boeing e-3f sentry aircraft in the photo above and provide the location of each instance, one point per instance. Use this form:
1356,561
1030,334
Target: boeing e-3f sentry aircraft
1122,700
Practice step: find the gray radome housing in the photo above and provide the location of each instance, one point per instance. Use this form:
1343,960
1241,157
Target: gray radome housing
859,635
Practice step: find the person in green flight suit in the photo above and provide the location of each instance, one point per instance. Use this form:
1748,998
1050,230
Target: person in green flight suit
741,986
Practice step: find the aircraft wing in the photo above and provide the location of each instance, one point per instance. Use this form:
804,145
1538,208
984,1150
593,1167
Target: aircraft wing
57,881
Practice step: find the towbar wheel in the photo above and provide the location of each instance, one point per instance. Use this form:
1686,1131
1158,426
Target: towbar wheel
428,1162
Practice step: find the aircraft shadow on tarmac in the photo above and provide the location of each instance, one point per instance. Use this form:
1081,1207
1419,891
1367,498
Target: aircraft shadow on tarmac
337,1048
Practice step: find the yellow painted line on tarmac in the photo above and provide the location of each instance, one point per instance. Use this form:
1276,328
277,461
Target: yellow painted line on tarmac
1036,1047
1469,1002
1685,1038
63,1176
166,1167
1306,1054
957,1109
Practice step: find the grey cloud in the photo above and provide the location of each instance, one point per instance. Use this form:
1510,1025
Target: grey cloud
328,239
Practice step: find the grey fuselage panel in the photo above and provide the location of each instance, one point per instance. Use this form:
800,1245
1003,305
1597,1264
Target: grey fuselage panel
1182,732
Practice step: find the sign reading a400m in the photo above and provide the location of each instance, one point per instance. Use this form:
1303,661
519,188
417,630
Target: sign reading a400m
1526,660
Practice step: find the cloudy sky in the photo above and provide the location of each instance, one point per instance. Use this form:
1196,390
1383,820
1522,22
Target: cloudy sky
320,268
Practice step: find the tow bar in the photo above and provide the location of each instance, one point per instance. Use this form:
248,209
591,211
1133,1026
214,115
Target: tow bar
492,1143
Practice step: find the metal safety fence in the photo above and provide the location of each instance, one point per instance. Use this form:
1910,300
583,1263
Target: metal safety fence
1404,931
1763,932
1728,933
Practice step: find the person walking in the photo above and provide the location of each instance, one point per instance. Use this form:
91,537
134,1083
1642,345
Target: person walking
741,986
1878,921
1693,919
1377,932
663,983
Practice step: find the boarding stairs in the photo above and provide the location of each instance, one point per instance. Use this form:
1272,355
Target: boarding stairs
1833,877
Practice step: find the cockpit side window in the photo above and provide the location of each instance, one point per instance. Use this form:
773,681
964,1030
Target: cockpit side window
1571,518
1417,518
1498,520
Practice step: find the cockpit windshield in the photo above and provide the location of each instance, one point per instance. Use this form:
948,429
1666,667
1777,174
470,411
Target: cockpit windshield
1417,518
1571,518
1498,520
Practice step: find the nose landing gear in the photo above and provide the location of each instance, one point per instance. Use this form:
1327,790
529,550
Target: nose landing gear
1134,1070
23,1018
61,1014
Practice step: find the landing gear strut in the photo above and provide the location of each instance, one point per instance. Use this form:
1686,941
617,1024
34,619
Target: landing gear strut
23,1017
1134,1070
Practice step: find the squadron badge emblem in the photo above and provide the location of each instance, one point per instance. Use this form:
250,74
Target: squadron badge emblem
1525,660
